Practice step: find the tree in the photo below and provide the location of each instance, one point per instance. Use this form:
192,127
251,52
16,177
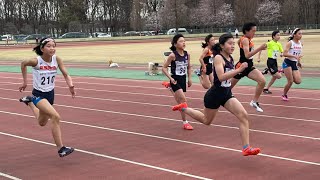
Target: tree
268,12
174,14
225,16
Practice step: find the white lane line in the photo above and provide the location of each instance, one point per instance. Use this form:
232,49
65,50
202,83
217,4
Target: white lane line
176,140
110,157
167,96
9,176
169,119
162,89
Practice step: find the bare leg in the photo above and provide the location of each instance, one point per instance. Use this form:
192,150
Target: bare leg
274,78
289,76
45,107
205,117
257,76
236,108
40,116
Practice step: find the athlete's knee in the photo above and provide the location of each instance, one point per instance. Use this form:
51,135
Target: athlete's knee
206,121
55,118
278,76
261,82
290,81
43,123
297,81
206,86
243,116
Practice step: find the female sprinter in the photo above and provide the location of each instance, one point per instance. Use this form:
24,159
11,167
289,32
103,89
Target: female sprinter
293,54
220,94
246,55
179,60
44,71
275,50
206,59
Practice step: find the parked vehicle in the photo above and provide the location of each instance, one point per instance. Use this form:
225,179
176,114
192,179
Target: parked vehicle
180,31
75,35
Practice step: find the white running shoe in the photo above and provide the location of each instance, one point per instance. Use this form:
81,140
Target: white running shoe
256,106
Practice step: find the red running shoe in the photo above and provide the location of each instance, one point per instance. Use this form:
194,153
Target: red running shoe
166,84
180,107
250,151
187,126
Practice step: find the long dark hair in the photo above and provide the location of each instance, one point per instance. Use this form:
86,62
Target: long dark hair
41,44
216,49
174,41
294,32
207,40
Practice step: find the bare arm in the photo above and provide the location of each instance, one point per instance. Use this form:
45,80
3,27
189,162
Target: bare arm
170,58
259,56
219,67
246,48
66,76
286,52
24,64
189,71
203,55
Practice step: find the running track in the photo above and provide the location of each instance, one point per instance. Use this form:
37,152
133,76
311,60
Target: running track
138,67
124,129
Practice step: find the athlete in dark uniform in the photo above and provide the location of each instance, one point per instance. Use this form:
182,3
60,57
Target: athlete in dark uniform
220,93
247,52
179,60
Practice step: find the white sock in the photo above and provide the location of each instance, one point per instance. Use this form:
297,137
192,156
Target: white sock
185,122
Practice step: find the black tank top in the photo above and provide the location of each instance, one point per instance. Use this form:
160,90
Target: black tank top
242,54
229,66
179,66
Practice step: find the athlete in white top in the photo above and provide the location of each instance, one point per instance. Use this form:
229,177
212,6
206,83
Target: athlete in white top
44,71
293,54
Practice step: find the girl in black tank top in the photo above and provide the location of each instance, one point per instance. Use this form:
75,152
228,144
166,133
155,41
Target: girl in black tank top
220,94
206,60
179,60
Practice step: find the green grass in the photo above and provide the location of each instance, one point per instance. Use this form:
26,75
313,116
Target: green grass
146,52
307,83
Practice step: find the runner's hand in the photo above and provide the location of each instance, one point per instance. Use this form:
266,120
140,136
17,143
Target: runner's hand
243,66
173,81
189,83
23,87
72,91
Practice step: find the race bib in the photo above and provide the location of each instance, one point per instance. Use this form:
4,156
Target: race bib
275,54
181,68
227,83
47,79
211,59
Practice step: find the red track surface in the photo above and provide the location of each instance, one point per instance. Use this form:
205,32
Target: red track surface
131,120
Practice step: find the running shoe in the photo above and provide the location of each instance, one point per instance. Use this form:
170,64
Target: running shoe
250,151
256,106
65,151
265,71
285,98
266,91
197,72
187,126
180,107
166,84
281,71
26,99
